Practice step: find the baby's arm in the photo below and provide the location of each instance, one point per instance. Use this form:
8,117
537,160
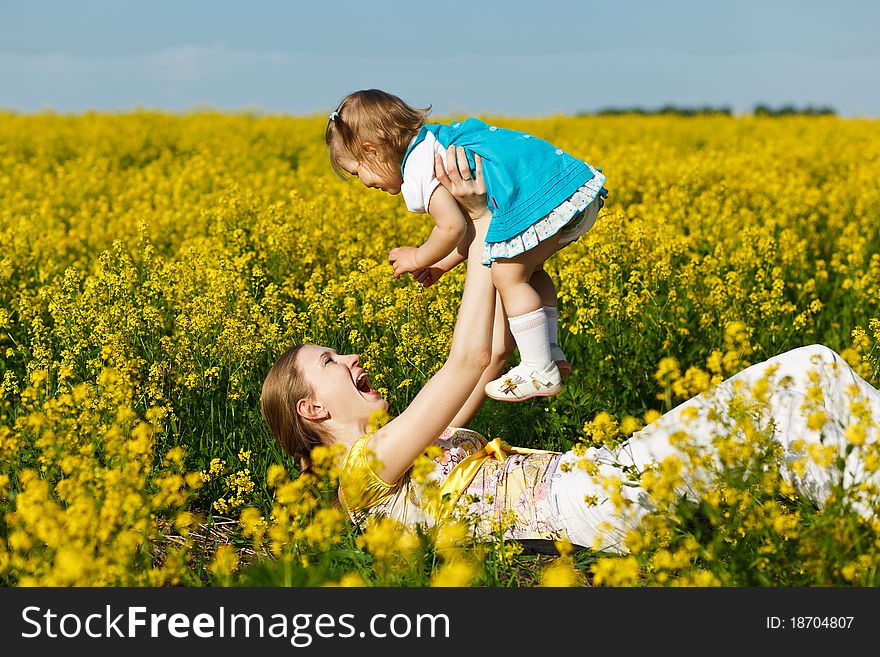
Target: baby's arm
450,226
430,275
469,193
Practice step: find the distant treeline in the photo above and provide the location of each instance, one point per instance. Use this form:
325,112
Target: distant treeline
759,110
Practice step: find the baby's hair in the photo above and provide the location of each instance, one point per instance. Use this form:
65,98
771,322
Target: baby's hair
375,117
283,387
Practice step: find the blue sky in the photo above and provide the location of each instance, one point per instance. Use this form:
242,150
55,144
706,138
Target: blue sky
502,57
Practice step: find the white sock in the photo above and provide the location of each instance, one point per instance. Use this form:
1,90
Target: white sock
552,324
530,331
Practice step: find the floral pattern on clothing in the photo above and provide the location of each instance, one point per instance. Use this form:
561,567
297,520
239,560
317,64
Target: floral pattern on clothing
510,497
507,497
457,445
408,501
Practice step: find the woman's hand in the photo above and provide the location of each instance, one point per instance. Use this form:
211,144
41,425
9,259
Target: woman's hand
470,193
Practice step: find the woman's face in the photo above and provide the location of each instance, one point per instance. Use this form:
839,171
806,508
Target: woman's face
339,384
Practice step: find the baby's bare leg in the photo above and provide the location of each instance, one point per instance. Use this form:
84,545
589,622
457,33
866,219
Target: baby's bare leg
512,278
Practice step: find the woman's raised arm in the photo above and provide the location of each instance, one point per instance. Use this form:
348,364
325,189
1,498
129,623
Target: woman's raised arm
403,439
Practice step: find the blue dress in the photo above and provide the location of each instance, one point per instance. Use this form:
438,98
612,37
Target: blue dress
532,187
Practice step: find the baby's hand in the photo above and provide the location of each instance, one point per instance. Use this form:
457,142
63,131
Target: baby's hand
403,260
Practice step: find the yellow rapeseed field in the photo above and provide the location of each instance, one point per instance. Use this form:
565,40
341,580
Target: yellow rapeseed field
153,266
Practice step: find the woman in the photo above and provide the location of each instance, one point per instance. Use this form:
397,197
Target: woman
314,396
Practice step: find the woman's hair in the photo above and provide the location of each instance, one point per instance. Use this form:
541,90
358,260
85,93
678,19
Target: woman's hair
375,117
283,387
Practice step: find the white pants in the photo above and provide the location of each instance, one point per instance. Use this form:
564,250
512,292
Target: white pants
571,484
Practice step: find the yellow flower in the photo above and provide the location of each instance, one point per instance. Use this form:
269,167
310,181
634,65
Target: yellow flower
225,561
276,475
454,573
350,580
175,455
817,420
615,571
560,573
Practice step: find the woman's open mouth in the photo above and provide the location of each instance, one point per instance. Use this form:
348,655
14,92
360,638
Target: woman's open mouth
363,385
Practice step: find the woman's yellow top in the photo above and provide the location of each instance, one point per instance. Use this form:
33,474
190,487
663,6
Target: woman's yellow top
488,482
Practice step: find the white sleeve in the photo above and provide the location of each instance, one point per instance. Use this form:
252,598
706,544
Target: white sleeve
418,174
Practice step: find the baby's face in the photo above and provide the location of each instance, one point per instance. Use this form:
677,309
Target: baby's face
373,177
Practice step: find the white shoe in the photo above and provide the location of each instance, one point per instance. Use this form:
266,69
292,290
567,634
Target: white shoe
521,383
560,360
